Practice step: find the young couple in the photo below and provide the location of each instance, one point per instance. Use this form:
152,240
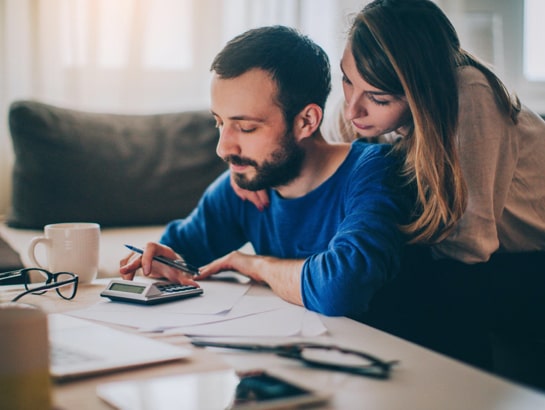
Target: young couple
329,222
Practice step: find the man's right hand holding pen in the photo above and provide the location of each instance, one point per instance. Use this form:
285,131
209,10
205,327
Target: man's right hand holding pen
149,260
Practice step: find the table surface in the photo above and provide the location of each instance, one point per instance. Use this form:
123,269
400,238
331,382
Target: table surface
423,379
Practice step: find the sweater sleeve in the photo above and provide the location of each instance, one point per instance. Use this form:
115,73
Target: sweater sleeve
365,252
211,230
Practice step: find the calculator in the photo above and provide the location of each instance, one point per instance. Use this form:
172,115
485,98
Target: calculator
121,290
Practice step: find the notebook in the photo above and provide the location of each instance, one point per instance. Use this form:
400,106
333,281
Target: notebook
83,348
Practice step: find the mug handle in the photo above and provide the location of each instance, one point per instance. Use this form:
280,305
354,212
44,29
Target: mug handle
31,249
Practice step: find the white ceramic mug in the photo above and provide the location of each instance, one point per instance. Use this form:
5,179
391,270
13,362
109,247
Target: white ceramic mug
24,358
70,247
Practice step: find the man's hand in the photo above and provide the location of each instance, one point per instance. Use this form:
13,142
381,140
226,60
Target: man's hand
154,269
234,261
259,198
282,275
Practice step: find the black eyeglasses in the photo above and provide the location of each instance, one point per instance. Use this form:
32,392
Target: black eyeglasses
38,281
318,355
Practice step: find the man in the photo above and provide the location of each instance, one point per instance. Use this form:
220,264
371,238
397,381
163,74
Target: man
330,237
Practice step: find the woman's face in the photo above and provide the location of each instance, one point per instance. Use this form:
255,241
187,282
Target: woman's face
371,111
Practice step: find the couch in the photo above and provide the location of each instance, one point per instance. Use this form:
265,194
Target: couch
130,173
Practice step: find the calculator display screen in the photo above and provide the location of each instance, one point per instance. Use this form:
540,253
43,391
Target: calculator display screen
122,287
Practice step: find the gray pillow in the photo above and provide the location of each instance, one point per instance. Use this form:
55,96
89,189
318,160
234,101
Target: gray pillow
117,170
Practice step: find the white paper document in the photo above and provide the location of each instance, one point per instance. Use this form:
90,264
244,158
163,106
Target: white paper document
286,321
218,298
225,309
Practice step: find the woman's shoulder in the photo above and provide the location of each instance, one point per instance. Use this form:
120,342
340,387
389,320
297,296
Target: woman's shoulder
472,82
475,95
469,75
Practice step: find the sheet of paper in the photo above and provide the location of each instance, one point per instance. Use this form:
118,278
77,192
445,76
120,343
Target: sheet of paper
289,320
218,298
246,306
312,325
225,309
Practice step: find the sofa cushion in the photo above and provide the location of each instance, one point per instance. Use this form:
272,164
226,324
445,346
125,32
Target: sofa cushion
117,170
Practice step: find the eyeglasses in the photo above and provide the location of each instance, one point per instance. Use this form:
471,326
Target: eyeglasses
38,281
318,355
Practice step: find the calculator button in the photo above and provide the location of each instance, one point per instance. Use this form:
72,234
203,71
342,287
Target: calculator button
172,288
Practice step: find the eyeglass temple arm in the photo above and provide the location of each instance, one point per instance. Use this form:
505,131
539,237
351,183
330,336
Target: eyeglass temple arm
240,346
10,274
49,286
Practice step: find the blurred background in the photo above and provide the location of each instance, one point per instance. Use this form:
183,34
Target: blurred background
152,56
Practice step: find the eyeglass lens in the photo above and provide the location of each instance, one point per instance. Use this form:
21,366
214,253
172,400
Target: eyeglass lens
35,278
68,290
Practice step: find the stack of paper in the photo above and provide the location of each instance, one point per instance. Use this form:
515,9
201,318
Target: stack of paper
225,309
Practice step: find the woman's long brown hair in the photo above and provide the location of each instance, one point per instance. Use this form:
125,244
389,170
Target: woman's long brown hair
410,48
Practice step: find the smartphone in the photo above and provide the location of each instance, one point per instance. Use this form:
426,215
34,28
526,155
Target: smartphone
249,390
258,389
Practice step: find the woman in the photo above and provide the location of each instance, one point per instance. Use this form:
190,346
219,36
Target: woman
475,154
477,159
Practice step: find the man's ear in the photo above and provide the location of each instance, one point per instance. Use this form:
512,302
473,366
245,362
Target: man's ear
308,121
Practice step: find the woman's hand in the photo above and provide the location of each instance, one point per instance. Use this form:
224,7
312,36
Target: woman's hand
259,198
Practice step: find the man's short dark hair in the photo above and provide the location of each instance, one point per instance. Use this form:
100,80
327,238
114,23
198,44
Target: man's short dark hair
299,66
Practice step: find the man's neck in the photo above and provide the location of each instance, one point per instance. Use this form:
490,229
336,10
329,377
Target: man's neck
322,159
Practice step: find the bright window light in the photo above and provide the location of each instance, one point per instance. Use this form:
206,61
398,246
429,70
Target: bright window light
534,32
168,35
104,33
114,32
74,25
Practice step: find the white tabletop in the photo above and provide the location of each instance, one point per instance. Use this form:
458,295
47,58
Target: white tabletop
422,380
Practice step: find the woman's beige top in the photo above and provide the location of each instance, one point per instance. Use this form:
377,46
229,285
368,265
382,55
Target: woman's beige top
504,169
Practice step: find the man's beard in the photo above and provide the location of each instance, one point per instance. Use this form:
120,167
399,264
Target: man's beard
283,166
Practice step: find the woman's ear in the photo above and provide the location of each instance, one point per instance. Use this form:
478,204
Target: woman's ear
308,121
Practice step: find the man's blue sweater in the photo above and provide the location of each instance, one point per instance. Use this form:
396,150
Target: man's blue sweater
347,230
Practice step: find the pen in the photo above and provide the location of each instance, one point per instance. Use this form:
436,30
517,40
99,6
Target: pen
177,264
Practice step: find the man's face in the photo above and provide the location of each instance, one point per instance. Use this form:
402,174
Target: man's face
254,139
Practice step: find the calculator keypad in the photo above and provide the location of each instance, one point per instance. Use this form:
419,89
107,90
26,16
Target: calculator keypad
174,287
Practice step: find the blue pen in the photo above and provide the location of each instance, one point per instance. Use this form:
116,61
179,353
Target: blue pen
177,264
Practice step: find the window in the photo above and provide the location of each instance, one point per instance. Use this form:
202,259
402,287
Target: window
101,33
534,33
509,35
